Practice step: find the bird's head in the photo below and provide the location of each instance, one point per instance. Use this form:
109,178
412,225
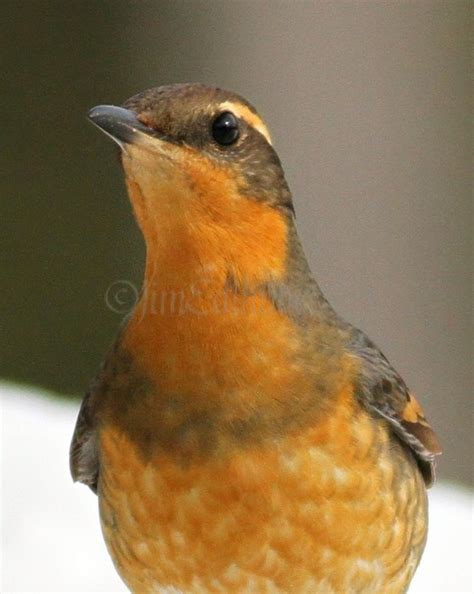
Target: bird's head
205,182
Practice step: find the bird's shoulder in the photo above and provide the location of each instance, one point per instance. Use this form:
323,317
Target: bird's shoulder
83,453
84,449
381,390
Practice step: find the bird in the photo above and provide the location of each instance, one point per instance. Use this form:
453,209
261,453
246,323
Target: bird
242,436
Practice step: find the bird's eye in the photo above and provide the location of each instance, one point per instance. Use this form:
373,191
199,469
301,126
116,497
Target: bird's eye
225,128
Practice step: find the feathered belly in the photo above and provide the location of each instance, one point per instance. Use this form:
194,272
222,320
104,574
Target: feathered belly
335,509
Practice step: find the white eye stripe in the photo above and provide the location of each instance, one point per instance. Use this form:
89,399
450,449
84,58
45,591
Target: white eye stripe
252,119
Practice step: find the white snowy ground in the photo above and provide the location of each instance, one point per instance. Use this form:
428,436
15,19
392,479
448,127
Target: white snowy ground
51,541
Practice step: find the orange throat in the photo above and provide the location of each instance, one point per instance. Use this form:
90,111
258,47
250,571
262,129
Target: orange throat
204,240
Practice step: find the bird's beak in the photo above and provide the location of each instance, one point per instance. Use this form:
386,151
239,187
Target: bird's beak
122,125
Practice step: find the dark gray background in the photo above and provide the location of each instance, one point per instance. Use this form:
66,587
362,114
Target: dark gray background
368,104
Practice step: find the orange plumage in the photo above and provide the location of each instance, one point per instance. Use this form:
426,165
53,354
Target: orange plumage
240,435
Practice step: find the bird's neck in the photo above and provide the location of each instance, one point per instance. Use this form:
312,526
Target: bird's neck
222,277
200,243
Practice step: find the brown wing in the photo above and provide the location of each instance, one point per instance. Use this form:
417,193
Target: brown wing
83,453
84,450
414,422
381,390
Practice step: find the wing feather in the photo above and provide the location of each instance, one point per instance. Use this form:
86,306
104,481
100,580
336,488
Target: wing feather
382,391
83,453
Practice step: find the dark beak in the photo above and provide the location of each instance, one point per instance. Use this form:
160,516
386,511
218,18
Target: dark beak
119,123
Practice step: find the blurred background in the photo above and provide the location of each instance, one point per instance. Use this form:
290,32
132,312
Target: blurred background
369,108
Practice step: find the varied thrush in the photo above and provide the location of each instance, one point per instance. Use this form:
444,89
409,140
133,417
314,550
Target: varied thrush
240,435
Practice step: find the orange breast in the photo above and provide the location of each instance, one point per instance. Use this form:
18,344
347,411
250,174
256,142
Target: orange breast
336,508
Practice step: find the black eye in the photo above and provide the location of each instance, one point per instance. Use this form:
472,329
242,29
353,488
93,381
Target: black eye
225,128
